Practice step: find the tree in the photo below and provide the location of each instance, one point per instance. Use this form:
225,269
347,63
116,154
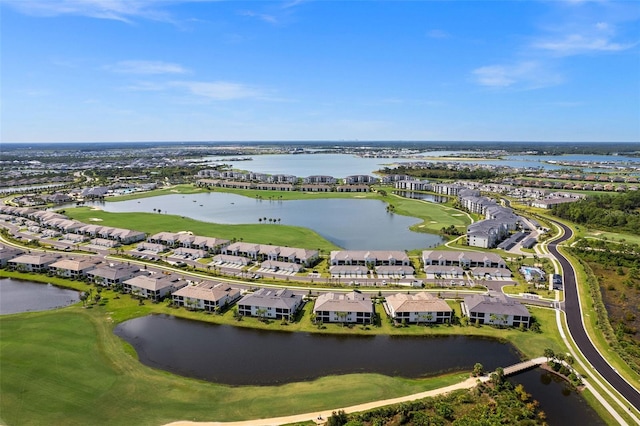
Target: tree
548,353
342,316
478,369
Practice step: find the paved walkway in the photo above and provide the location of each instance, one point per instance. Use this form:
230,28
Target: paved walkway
321,417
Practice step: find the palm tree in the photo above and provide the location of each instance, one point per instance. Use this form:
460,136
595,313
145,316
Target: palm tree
259,220
278,220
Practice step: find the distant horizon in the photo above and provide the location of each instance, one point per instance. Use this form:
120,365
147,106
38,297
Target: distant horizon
214,71
321,141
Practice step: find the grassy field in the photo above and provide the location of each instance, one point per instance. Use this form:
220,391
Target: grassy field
151,223
434,215
67,368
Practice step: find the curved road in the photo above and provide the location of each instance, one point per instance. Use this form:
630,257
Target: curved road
576,327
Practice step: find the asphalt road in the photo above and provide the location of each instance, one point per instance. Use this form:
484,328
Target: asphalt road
576,327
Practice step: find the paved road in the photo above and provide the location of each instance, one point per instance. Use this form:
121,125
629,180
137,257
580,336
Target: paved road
576,326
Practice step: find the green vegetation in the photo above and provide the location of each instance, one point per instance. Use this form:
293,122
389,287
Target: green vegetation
284,235
494,402
620,212
440,171
67,367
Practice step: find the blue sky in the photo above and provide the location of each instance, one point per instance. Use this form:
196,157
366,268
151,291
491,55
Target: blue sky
165,70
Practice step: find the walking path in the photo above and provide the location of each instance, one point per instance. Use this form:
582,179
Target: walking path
321,417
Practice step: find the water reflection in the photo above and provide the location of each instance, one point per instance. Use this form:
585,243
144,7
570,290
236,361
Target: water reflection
348,223
25,296
561,404
239,356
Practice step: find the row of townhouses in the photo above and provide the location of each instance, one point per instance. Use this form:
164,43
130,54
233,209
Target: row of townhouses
52,224
287,179
275,303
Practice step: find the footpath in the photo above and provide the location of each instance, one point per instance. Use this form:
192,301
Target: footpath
321,417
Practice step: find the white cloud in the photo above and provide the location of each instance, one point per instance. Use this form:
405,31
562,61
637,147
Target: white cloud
435,33
522,75
219,90
573,44
147,67
119,10
261,16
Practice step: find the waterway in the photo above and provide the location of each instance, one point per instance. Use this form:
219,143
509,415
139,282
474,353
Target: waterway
238,356
242,356
26,296
342,165
561,404
348,223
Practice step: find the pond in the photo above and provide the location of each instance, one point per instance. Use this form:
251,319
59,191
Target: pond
348,223
26,296
561,404
243,356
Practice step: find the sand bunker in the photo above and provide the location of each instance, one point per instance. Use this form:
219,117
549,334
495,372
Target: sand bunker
95,219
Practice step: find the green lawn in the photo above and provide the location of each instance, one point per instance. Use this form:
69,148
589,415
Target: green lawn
67,368
151,223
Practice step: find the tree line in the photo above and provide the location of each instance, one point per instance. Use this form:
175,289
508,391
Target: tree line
610,211
439,172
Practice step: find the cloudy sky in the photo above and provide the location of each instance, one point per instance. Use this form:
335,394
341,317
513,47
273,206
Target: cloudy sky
171,70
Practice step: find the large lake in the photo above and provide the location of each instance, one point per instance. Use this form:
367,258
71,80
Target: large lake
243,356
239,356
342,165
349,223
25,296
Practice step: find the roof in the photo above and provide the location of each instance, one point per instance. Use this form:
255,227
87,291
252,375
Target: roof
113,272
74,264
152,282
344,302
495,303
213,291
271,298
417,302
36,259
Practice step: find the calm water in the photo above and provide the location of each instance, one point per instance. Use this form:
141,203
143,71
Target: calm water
238,356
342,165
25,296
349,223
562,405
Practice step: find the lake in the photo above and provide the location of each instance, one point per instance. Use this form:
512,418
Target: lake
561,404
348,223
342,165
244,356
26,296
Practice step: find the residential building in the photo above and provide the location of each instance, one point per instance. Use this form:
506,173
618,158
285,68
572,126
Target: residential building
153,287
74,268
7,253
422,307
369,257
270,303
112,274
208,296
353,307
496,309
33,262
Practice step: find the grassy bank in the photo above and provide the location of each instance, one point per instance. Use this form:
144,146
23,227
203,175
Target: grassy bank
68,368
151,223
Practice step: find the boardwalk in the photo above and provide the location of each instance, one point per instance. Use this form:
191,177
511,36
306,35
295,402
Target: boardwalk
321,418
526,365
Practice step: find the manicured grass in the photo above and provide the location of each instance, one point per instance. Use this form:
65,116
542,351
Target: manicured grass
284,235
67,368
434,216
